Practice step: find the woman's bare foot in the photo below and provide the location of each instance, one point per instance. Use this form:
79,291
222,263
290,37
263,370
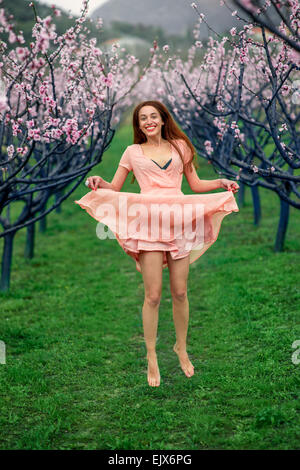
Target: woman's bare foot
153,370
185,363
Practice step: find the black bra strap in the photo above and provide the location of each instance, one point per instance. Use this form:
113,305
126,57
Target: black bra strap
165,166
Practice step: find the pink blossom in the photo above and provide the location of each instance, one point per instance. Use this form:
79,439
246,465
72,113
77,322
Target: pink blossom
107,80
283,127
97,51
90,111
133,59
22,52
10,151
47,21
16,129
30,123
237,133
285,89
34,134
12,37
3,103
208,147
56,133
43,89
71,130
20,38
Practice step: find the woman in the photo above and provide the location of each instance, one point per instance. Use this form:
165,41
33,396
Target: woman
161,153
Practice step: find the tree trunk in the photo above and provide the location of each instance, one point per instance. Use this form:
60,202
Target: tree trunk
282,226
7,260
43,224
256,204
57,196
29,246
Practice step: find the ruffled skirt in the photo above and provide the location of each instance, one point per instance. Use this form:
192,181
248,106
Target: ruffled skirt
161,220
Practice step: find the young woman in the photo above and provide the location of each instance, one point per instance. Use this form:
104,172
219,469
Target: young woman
160,155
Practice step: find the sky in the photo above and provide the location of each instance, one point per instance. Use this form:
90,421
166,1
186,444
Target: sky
74,5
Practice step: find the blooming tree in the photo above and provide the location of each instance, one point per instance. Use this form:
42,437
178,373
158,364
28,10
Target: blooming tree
287,12
60,100
240,109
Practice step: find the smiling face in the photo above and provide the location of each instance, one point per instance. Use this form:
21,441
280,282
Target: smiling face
150,121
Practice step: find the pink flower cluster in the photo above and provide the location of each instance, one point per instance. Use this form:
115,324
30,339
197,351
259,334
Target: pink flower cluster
222,126
44,32
36,63
3,104
15,127
60,97
22,53
34,134
56,11
208,147
10,151
108,80
237,132
283,127
71,130
8,28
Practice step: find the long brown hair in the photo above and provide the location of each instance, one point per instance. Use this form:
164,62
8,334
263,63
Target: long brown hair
170,131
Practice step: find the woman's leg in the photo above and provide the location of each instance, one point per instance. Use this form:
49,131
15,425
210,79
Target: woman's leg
179,270
151,266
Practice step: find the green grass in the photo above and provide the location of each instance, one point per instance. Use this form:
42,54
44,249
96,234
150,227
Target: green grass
75,376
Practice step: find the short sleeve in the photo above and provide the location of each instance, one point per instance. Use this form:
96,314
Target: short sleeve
126,160
186,151
187,154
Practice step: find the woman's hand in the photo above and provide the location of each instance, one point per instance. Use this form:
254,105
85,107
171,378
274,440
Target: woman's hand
229,185
94,182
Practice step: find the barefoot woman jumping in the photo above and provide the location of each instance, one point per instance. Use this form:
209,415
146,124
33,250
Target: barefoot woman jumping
160,155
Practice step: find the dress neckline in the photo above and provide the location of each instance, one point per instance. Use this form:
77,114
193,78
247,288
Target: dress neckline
148,158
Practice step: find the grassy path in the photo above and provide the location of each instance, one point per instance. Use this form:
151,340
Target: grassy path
75,376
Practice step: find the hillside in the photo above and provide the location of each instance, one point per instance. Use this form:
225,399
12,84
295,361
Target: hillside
175,17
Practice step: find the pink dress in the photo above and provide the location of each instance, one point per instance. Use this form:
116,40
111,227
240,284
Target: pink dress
161,217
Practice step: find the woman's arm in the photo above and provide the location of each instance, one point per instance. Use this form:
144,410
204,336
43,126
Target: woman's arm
116,184
119,178
200,186
196,184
